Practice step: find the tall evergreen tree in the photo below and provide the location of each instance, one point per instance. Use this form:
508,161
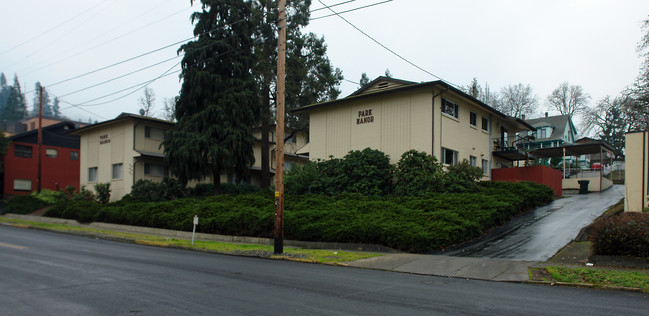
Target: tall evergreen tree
56,108
16,107
364,80
216,107
47,107
310,77
4,91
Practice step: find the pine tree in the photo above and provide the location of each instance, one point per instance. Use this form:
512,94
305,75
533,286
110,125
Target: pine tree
4,92
216,107
47,107
56,108
16,107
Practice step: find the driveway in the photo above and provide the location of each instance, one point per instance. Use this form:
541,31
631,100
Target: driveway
539,234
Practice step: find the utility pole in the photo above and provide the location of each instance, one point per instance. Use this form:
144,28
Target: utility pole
279,131
40,139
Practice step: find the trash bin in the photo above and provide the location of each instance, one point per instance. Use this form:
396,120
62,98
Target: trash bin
583,186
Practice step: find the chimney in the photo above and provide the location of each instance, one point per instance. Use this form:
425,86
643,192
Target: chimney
546,114
523,117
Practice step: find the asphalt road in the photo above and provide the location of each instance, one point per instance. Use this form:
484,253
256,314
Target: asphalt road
539,234
43,273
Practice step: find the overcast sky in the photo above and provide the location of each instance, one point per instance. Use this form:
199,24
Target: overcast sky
542,43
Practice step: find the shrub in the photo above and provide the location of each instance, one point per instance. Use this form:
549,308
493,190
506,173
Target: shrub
48,196
368,172
103,192
147,190
85,195
418,173
626,234
83,211
462,177
24,204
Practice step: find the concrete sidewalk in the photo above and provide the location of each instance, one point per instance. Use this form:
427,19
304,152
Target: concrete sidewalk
437,265
460,267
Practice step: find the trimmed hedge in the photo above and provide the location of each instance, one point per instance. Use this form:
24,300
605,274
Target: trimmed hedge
625,234
24,204
415,224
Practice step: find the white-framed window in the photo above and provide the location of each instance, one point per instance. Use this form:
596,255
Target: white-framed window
540,133
74,155
485,124
154,133
23,151
449,156
22,185
485,167
473,119
155,170
92,174
450,108
51,153
473,160
117,171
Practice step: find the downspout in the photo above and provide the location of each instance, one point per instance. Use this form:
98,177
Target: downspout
134,138
432,149
644,170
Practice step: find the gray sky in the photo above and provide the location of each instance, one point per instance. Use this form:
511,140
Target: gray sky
542,43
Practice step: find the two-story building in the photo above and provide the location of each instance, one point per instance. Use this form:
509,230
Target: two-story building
394,116
59,160
121,151
554,131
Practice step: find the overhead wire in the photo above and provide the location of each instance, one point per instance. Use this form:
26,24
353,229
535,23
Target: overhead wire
350,10
52,28
385,47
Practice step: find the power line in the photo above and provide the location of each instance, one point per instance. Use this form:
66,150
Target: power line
333,5
350,10
52,29
106,42
385,47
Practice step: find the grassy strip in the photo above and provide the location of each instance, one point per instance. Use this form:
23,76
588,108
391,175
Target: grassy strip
599,277
310,255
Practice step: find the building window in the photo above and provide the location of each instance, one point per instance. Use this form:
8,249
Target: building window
22,185
485,124
117,171
473,119
154,133
473,161
155,170
449,156
485,167
450,108
292,139
23,151
540,133
92,174
51,153
74,155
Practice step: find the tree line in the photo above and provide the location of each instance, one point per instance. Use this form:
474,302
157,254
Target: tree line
13,103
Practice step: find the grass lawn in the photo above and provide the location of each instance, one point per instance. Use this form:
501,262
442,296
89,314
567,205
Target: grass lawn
603,277
298,254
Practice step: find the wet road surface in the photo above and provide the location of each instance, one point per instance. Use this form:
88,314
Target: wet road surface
539,234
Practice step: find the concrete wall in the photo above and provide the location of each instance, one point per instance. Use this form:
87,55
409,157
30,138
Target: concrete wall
539,174
593,185
636,185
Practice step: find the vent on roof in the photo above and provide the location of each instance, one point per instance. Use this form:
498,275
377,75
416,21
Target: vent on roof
383,85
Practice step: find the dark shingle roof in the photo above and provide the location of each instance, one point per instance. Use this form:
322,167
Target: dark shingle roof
559,124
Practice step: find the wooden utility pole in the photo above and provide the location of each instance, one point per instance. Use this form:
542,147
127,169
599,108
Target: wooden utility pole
279,149
40,139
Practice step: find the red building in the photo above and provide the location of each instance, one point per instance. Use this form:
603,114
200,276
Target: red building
59,160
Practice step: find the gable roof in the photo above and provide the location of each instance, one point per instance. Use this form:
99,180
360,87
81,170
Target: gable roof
558,123
120,118
396,85
53,135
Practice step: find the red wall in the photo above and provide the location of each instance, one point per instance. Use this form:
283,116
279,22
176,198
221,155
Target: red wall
539,174
60,170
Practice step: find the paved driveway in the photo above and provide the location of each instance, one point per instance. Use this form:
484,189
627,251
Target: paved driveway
538,235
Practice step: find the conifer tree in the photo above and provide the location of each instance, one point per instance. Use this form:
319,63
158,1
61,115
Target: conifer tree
47,107
4,91
216,107
16,107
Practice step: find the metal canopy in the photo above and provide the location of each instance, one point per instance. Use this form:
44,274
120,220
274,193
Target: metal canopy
573,150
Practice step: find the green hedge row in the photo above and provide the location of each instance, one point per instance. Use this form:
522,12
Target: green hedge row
415,224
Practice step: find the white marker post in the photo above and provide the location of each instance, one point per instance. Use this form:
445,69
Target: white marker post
194,230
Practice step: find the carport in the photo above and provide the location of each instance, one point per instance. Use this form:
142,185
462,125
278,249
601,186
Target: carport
600,178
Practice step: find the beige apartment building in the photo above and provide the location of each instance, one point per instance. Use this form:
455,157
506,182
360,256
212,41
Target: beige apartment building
636,181
121,151
128,148
395,116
